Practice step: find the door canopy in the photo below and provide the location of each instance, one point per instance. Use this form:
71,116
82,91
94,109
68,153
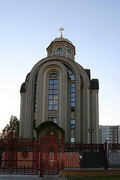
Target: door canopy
49,128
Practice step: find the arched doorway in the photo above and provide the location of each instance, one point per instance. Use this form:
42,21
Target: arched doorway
51,138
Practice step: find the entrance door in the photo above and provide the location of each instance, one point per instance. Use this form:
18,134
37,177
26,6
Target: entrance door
51,155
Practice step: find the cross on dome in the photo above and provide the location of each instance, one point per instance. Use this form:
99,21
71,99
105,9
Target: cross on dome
61,29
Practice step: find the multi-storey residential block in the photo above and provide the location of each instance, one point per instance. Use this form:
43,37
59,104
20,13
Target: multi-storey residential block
111,134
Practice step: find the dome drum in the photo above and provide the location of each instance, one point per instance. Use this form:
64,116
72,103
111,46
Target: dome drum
61,47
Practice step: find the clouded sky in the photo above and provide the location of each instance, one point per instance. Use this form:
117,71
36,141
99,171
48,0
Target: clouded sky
27,27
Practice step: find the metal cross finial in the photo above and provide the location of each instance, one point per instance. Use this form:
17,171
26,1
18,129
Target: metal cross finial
61,29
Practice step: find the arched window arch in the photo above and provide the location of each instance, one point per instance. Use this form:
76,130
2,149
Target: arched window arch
68,53
71,74
59,51
53,75
53,92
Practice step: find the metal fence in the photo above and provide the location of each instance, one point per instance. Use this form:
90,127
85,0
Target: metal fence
18,156
92,156
22,156
113,155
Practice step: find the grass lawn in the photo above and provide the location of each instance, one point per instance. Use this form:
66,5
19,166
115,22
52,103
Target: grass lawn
95,178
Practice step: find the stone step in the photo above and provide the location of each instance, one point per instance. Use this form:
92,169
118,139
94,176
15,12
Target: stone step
51,176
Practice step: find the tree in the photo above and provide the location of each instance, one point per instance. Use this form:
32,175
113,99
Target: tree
11,128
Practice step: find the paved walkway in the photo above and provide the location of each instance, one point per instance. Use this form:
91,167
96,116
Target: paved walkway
26,177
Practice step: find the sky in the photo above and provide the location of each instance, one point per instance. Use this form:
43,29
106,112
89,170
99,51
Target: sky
28,26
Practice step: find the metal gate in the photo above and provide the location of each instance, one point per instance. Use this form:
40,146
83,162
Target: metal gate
51,155
18,156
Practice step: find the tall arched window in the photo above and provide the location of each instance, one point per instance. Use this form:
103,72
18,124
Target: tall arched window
36,93
59,51
53,92
72,88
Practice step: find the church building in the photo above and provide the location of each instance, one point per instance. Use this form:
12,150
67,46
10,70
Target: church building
59,97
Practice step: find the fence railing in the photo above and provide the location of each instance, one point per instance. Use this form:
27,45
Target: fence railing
18,156
23,156
92,155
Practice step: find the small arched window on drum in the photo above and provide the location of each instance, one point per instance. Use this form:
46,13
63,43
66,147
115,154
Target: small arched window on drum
68,53
51,52
59,51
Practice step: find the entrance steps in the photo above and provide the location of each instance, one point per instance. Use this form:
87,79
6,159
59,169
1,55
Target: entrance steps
54,177
51,176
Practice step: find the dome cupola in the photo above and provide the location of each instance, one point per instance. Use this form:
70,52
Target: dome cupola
61,47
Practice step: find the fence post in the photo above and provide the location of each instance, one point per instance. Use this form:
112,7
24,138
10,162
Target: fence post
1,156
105,156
